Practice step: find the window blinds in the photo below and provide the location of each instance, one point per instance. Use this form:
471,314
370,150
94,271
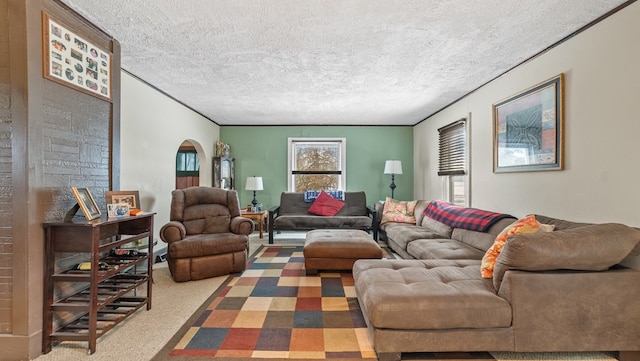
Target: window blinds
453,148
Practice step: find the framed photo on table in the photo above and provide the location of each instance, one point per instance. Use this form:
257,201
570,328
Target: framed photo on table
117,210
86,203
72,60
131,198
528,129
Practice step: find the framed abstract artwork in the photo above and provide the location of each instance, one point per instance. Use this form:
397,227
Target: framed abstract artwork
528,129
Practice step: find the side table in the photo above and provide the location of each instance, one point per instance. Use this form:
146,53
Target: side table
260,217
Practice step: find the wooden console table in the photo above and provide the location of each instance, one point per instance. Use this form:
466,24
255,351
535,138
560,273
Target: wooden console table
260,217
112,287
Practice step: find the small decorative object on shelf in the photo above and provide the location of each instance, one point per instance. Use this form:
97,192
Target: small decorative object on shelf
219,148
224,172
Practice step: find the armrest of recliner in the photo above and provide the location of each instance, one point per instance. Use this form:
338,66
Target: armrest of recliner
172,232
241,225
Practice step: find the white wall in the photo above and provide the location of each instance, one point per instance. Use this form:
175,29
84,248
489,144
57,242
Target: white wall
152,128
602,132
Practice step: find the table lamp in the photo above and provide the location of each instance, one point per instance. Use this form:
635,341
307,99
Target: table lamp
393,167
254,184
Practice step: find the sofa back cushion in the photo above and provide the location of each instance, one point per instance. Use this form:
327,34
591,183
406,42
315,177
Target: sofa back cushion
421,205
437,227
204,209
293,203
592,247
481,240
560,224
356,204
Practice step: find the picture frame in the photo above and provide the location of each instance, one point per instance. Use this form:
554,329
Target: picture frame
86,202
115,210
528,129
131,198
74,61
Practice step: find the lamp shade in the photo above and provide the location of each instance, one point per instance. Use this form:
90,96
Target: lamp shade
393,167
254,184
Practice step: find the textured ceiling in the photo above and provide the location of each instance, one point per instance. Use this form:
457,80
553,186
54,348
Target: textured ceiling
326,62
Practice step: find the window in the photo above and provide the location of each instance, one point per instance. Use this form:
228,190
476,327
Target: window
187,163
316,164
453,162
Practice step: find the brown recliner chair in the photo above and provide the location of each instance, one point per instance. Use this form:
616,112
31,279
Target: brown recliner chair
206,234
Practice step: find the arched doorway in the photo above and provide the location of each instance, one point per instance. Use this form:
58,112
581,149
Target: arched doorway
187,166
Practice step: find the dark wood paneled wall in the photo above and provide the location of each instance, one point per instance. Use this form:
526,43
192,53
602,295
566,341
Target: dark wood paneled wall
51,137
6,214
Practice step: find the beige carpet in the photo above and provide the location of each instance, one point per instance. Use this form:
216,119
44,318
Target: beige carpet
141,336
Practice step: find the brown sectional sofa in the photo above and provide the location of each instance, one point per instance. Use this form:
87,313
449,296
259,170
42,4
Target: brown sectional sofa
557,291
292,215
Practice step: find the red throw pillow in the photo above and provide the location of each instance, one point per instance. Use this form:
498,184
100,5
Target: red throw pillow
326,205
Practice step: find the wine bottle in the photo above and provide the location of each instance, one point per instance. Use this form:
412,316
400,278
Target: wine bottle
119,252
86,266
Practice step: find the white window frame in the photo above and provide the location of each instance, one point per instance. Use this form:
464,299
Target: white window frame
291,143
448,180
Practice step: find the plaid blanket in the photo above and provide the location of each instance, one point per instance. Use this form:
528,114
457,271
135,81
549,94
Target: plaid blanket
460,217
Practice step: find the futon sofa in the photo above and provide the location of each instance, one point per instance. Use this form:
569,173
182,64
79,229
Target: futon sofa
553,291
292,214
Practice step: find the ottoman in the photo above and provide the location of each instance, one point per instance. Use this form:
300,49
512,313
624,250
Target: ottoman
337,249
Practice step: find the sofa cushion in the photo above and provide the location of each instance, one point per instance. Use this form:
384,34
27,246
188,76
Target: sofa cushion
216,224
593,247
398,211
442,248
326,205
194,217
428,294
292,203
202,245
309,221
404,233
522,226
438,227
356,204
421,205
481,240
560,224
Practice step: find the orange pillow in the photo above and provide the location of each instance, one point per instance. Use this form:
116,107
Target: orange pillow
326,205
525,225
398,211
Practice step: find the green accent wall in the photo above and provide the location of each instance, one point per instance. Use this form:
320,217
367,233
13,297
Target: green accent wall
262,151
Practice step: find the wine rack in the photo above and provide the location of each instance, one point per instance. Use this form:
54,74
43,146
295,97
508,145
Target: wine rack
82,305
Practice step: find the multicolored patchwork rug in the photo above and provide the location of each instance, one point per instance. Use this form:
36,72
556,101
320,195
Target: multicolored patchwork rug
274,311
